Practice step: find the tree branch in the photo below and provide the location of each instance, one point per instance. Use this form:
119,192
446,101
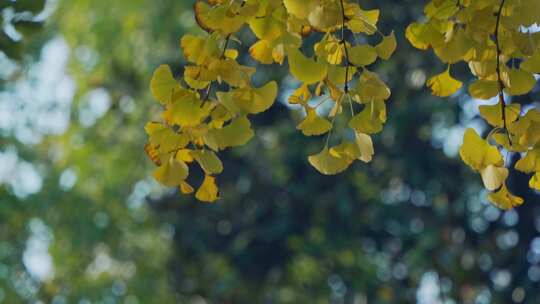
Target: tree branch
344,42
498,69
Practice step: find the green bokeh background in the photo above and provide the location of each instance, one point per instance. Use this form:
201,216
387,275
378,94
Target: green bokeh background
82,221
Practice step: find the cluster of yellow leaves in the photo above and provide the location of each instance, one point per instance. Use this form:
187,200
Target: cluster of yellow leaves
493,38
195,123
335,66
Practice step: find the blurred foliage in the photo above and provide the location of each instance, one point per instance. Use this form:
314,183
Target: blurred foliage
393,231
18,16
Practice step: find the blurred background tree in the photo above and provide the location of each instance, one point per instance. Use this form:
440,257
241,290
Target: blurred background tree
81,220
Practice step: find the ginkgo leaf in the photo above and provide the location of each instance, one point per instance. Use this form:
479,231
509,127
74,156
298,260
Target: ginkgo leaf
504,199
331,50
361,148
362,21
224,18
186,111
163,85
530,163
371,119
422,36
484,89
456,48
387,46
257,100
328,163
362,55
365,144
371,87
493,177
493,113
186,188
518,82
325,16
483,69
262,52
199,49
534,182
164,138
267,28
336,74
443,85
208,191
172,172
237,133
306,69
532,64
299,8
477,153
313,124
208,161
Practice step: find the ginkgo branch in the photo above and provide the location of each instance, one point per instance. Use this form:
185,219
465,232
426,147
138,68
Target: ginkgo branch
206,95
498,69
344,42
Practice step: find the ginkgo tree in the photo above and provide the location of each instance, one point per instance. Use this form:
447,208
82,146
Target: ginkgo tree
209,108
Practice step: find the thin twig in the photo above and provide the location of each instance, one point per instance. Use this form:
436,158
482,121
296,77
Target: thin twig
498,69
344,42
206,95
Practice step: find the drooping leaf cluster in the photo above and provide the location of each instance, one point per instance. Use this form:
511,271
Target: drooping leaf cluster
495,38
198,121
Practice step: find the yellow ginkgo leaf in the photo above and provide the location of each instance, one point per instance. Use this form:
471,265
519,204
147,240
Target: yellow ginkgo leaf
313,124
163,85
361,148
257,100
362,55
186,188
299,8
477,153
493,177
262,52
164,138
371,87
443,85
199,49
484,89
330,50
504,199
172,172
532,64
518,82
387,46
186,111
306,69
530,163
325,16
336,74
493,113
365,144
361,21
208,161
371,119
208,191
534,182
267,28
329,163
237,133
